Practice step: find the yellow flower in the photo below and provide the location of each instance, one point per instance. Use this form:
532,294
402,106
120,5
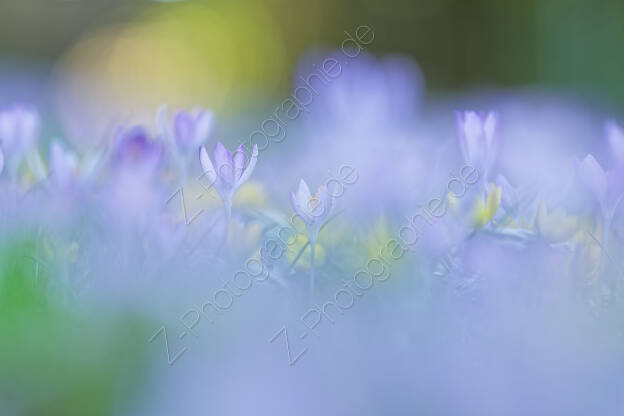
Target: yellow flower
557,226
485,209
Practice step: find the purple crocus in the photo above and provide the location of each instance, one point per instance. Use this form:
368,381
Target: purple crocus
135,150
313,211
478,139
19,129
230,173
19,132
608,190
606,187
615,136
190,129
135,160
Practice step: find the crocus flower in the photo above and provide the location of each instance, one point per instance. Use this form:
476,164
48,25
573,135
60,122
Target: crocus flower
486,207
615,136
313,211
134,161
67,170
19,129
190,128
230,173
19,132
478,140
606,187
608,190
135,150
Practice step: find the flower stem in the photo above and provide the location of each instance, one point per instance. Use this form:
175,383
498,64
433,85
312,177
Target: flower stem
606,226
227,206
312,248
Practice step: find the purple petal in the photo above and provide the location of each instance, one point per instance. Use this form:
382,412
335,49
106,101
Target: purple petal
134,149
207,166
294,203
303,195
250,167
299,210
225,164
593,177
324,204
239,159
183,130
204,122
615,135
19,129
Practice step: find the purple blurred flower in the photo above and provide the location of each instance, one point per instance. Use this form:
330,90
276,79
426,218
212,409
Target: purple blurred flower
135,159
615,136
313,210
19,132
364,95
190,128
478,139
606,187
19,129
135,150
230,173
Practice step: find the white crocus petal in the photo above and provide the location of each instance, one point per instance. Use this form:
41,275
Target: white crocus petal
594,177
473,130
250,167
489,128
207,166
303,197
224,164
239,158
298,208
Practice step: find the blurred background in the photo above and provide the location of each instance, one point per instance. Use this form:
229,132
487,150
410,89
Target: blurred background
226,55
